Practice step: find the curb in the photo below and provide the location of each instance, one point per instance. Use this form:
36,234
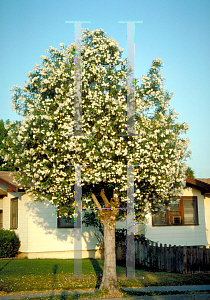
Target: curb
190,288
181,288
163,297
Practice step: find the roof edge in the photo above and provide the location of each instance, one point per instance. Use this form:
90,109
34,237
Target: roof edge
9,185
202,186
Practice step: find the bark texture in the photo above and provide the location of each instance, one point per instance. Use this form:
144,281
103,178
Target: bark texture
108,219
109,279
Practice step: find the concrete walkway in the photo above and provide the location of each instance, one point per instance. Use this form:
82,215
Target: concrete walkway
190,288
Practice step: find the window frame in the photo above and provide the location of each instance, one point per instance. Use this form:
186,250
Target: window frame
67,227
1,218
181,214
11,213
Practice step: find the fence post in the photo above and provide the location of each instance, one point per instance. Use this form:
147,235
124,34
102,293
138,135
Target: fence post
144,254
141,249
184,260
157,256
179,259
147,254
191,259
196,259
174,252
205,266
152,255
169,258
200,258
188,260
208,259
165,257
160,259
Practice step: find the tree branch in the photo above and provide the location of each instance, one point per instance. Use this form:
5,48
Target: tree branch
103,196
96,201
115,200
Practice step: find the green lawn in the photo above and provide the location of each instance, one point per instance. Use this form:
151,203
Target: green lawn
47,274
104,295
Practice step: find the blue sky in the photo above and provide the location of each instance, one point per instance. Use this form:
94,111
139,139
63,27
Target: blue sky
178,32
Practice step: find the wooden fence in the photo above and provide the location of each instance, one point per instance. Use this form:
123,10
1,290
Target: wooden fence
185,260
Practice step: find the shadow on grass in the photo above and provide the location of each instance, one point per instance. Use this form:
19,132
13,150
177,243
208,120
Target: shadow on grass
64,296
98,271
55,268
6,264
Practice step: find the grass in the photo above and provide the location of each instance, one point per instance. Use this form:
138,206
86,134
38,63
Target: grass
18,275
104,295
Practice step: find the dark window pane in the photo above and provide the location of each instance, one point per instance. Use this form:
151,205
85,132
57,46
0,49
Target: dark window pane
174,209
14,213
190,211
64,223
160,218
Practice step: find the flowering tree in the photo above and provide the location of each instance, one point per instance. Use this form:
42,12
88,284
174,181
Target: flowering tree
3,136
45,150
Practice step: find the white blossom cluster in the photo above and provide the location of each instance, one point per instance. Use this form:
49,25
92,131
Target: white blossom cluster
45,149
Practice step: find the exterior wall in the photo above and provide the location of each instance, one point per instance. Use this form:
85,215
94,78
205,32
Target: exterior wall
190,235
38,232
6,209
207,218
44,236
40,237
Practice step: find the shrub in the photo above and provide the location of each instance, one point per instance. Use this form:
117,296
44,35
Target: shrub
9,243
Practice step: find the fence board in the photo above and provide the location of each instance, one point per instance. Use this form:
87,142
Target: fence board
191,259
207,258
185,260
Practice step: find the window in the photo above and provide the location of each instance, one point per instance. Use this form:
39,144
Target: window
63,222
190,211
1,218
14,213
183,213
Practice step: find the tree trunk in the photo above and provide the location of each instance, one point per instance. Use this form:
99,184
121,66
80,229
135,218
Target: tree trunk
108,219
109,279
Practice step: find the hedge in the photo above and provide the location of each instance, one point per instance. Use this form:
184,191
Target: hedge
9,243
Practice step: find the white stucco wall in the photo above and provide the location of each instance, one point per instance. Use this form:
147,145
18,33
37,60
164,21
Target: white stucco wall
37,228
38,232
190,235
207,217
43,234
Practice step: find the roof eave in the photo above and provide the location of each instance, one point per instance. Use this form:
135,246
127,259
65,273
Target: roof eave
9,185
200,185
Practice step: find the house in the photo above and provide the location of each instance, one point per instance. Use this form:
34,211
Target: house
184,224
43,235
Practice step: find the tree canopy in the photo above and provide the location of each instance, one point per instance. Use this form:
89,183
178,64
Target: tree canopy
5,142
45,149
